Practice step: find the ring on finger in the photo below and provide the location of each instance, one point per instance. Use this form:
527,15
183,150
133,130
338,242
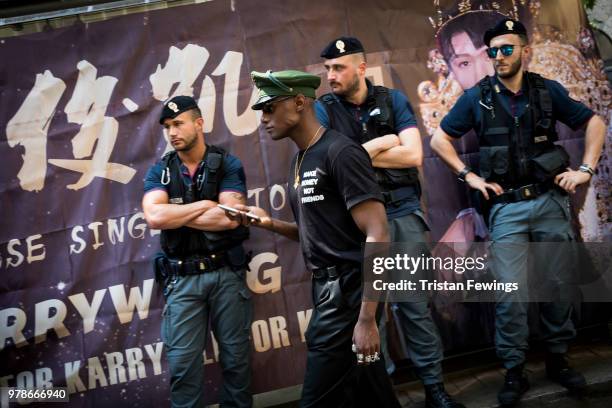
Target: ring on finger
360,358
354,348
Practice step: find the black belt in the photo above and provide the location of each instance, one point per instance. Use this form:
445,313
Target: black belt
528,192
332,272
398,194
196,265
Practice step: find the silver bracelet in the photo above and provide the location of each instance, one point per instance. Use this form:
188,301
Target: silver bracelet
585,168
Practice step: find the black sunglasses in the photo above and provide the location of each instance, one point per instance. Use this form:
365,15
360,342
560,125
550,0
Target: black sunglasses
268,107
506,50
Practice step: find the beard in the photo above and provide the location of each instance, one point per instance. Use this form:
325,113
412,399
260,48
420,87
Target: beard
513,69
351,89
189,144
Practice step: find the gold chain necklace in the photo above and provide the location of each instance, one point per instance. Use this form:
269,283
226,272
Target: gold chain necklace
296,182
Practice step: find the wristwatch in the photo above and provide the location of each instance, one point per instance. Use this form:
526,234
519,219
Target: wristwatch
585,168
463,173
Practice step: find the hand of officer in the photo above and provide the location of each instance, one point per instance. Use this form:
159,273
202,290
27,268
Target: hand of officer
478,183
366,341
571,179
264,218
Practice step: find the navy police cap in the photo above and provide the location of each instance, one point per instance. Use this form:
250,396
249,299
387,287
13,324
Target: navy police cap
505,26
342,46
176,106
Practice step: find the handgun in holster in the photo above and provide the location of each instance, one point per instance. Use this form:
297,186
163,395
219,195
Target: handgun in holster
162,270
481,204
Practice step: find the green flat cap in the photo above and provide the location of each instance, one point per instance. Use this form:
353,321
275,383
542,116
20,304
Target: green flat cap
283,83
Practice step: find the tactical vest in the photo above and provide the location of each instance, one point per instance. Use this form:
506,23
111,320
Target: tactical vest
516,151
380,123
184,242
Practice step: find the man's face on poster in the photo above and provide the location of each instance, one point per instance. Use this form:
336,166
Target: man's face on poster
469,64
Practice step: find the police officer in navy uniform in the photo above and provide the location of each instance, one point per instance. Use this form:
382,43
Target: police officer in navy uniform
202,269
337,207
383,122
525,178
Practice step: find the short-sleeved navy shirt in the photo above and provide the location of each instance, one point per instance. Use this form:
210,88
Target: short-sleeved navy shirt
233,176
402,110
466,114
404,118
335,175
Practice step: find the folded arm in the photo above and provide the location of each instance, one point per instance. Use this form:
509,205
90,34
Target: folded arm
215,219
160,214
408,152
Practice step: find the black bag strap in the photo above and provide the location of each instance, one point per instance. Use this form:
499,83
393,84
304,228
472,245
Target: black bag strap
171,172
536,82
539,95
385,120
328,100
213,171
486,97
491,123
207,180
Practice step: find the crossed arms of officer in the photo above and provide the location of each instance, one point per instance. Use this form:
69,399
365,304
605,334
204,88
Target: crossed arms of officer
396,151
203,215
371,219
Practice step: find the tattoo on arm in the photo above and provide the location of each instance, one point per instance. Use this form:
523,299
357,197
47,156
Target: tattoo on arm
238,197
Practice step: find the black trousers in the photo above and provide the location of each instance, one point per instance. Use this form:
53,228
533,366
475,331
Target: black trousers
333,378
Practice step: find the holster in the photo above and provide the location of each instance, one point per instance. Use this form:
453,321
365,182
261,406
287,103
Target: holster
481,204
161,268
237,258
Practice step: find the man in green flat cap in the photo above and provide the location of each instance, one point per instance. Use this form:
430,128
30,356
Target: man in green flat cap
337,206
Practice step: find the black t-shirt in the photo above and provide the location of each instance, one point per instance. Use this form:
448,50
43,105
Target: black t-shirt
335,175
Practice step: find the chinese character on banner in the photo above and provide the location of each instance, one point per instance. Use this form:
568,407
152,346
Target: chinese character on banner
29,128
87,107
183,68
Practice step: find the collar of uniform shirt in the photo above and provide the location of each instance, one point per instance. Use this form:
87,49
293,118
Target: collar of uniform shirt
502,87
352,105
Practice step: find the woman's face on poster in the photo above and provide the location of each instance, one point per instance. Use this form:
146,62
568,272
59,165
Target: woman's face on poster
469,64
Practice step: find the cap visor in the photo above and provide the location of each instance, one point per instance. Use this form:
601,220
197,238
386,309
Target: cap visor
262,101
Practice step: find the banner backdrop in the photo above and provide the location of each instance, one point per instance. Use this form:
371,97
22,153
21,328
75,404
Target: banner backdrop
79,109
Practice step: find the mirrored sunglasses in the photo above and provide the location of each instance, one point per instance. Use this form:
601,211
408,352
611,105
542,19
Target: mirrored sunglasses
506,50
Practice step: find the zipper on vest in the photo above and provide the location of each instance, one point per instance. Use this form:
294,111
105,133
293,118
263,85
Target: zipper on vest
521,149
